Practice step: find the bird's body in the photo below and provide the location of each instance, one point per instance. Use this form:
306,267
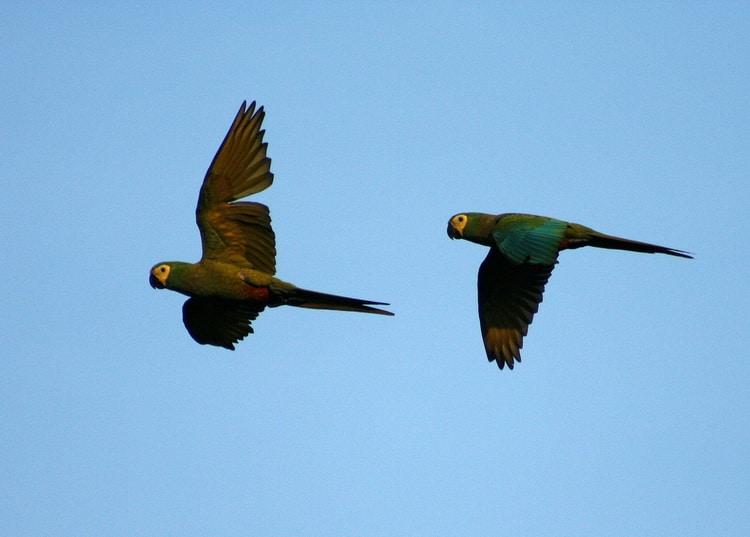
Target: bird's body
210,278
234,280
523,251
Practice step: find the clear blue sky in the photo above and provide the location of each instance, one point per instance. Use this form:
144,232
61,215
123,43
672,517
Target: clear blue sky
629,413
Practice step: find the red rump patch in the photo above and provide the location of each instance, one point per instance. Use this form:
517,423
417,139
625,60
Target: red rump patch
258,294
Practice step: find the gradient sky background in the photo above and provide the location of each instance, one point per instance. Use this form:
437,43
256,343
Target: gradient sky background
629,413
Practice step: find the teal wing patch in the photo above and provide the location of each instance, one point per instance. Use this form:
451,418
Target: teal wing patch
531,242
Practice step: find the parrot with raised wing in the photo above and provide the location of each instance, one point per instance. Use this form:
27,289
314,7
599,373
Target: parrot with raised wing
234,279
511,280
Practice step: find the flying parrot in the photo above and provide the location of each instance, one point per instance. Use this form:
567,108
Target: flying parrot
511,280
234,280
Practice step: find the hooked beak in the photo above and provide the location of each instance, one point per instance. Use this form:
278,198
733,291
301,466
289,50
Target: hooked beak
453,233
154,281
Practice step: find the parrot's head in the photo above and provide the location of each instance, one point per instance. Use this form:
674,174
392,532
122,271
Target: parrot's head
456,226
173,275
474,227
158,275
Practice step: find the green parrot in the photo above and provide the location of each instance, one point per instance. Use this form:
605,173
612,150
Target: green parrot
234,279
523,252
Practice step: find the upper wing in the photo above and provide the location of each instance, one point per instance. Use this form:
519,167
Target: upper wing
524,238
220,322
238,232
509,296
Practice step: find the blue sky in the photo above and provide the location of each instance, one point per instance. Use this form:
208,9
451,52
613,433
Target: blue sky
628,415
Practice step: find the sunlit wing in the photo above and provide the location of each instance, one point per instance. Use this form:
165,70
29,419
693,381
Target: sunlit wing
232,231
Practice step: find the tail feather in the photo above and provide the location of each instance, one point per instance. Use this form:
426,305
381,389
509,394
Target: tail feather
304,298
600,240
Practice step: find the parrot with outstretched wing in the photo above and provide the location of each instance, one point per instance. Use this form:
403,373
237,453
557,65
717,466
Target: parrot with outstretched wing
523,252
234,279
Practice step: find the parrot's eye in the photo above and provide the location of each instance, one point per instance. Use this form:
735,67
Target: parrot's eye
159,275
162,272
460,220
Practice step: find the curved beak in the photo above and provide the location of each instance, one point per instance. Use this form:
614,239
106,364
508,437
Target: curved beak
154,281
453,233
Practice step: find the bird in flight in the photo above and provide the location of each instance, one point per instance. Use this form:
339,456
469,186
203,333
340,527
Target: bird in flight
234,280
511,280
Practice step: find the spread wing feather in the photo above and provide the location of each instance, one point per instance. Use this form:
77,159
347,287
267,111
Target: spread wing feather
231,231
509,296
219,322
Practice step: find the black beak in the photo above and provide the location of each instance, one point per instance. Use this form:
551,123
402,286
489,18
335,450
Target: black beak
155,283
453,233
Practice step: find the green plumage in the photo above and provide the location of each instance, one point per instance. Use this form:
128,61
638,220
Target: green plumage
234,279
523,251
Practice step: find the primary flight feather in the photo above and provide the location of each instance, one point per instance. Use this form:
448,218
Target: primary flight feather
234,279
511,280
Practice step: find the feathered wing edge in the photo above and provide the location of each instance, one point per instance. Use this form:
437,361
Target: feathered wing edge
232,230
240,166
219,322
509,295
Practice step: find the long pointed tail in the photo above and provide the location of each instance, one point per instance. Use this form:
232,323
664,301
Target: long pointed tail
600,240
304,298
